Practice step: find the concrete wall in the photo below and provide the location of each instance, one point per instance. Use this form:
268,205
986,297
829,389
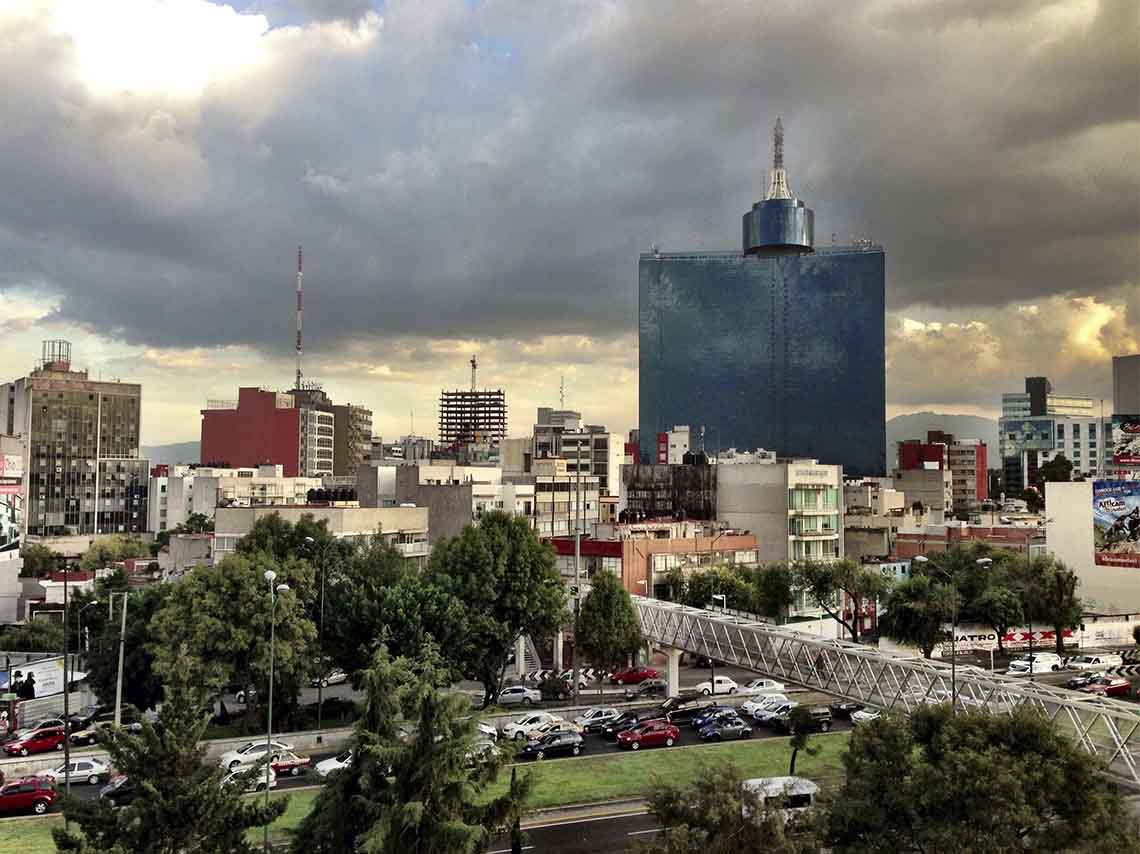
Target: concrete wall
376,485
755,498
449,506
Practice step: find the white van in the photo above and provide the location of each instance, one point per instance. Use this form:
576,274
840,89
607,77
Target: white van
1095,661
790,795
1039,662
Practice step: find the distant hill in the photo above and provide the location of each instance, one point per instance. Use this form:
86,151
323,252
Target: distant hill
179,452
916,424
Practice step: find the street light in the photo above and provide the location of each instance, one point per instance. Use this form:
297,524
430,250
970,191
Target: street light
985,562
712,661
923,559
274,592
79,641
309,541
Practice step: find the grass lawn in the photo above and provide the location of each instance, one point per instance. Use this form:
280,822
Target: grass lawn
558,782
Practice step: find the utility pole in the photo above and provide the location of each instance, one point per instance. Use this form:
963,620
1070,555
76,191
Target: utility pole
66,694
122,645
577,564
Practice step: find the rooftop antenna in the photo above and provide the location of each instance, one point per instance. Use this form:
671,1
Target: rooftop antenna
300,312
778,177
474,365
562,392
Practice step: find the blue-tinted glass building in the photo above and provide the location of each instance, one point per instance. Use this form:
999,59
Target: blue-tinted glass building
778,346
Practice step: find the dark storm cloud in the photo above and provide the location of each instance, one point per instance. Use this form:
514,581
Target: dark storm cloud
476,170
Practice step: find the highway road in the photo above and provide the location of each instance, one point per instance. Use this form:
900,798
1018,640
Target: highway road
582,835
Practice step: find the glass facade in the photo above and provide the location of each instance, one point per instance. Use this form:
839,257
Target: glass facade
778,351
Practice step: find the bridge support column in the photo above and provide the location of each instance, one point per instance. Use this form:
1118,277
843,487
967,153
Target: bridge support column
558,639
673,670
648,653
520,657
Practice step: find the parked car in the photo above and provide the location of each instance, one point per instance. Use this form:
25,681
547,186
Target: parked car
98,726
1094,661
649,734
865,716
596,717
559,725
334,763
648,688
291,764
763,704
557,688
818,720
120,791
37,741
1082,679
628,720
336,676
727,726
554,744
519,695
707,714
527,724
634,675
482,750
792,796
845,709
1108,686
758,687
487,731
86,716
683,713
718,685
27,794
764,717
253,751
1038,662
252,782
93,771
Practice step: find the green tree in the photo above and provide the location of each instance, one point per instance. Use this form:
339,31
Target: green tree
974,783
197,523
826,584
915,611
999,607
39,560
1059,603
1057,470
222,613
608,627
509,586
142,687
775,590
106,550
181,806
717,814
799,725
421,792
36,636
723,581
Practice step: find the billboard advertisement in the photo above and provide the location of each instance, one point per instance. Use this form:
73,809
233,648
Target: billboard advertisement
1116,522
1126,440
41,678
1027,434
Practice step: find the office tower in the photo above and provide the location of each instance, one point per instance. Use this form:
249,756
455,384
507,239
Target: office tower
780,345
82,472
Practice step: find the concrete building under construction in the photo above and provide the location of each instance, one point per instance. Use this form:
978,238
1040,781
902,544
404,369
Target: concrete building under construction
472,416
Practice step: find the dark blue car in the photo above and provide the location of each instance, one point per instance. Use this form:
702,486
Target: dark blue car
706,717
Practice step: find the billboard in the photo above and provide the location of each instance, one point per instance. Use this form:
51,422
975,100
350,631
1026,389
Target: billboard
41,678
1126,440
1116,522
1026,434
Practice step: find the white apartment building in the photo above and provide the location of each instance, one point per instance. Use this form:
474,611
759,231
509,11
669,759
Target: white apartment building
202,490
563,501
933,487
677,444
966,457
318,430
1085,442
601,455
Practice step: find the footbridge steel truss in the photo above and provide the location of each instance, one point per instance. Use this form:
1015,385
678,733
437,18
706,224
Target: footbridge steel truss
1106,727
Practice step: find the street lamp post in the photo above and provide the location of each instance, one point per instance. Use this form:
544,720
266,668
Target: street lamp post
712,659
274,592
309,541
80,642
923,559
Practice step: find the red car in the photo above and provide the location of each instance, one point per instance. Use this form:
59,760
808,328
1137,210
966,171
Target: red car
27,794
649,734
1108,686
633,675
291,763
39,741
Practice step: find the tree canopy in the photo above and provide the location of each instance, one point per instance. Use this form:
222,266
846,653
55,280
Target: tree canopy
826,584
104,551
142,687
608,627
916,611
39,560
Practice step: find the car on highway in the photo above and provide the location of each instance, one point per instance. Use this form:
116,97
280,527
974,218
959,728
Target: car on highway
758,687
37,741
98,726
559,725
120,791
1082,679
519,695
764,717
634,675
487,731
596,717
708,713
845,709
93,771
718,685
865,716
682,713
86,716
1108,686
1038,662
482,750
250,780
522,728
554,744
1094,661
628,720
763,704
818,719
336,676
253,751
727,726
653,733
290,764
649,688
27,794
334,763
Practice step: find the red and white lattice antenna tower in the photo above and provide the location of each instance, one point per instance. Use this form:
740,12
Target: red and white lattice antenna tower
300,312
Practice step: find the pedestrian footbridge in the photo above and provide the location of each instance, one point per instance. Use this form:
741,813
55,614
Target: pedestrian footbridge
1108,728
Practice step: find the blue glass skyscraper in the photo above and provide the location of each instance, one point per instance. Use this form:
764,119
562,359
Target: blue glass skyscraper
778,346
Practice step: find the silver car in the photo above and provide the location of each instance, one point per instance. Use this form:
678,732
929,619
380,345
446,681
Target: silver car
519,695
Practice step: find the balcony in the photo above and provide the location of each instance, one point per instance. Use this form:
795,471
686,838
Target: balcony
416,549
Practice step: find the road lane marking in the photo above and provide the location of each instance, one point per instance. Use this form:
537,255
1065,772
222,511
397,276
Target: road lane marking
508,850
639,832
584,820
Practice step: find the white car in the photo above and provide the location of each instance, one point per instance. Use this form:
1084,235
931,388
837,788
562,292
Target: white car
719,685
763,704
1039,662
1095,661
596,717
517,695
522,729
865,716
766,716
334,763
485,730
543,730
758,687
336,676
93,771
251,752
256,782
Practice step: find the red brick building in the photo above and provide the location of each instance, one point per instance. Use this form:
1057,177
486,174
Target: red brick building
934,539
264,428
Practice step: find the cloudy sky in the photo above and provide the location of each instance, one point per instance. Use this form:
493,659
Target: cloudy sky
480,175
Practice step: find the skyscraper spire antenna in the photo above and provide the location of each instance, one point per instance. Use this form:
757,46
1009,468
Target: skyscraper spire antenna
300,312
778,178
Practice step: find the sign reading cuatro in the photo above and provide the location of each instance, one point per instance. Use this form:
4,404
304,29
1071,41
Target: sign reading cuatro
984,639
